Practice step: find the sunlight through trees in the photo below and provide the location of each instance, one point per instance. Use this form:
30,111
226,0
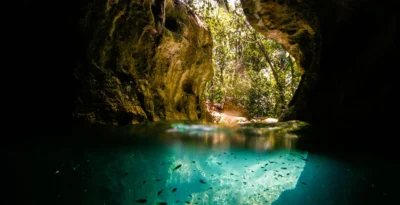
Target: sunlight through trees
254,71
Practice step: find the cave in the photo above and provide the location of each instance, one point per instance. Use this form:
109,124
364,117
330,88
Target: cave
347,50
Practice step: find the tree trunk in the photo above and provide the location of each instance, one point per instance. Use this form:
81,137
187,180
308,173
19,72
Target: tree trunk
292,73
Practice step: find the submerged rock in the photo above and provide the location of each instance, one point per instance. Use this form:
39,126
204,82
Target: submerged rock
141,61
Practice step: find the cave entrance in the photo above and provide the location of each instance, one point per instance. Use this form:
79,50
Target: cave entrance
254,77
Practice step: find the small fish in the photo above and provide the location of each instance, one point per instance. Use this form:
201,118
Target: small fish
232,174
190,196
297,167
126,173
187,202
193,162
244,183
177,167
292,154
210,188
305,159
144,182
162,203
142,201
304,183
245,158
265,170
283,168
160,192
158,180
280,175
224,152
174,189
262,167
219,163
266,164
201,181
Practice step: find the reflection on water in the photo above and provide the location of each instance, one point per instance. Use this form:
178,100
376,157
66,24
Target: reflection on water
255,136
183,163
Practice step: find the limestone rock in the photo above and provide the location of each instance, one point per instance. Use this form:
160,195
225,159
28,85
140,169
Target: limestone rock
141,61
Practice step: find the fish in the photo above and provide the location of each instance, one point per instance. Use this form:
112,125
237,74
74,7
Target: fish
304,183
305,159
203,182
232,174
219,163
224,152
210,188
283,168
292,154
190,196
160,192
144,182
177,167
193,162
142,201
174,189
162,203
158,180
280,175
187,202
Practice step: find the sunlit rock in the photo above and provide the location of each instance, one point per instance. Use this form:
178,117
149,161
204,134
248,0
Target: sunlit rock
141,61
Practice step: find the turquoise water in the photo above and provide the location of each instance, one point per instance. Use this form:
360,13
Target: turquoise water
182,163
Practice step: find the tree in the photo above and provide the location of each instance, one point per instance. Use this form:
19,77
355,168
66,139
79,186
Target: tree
255,71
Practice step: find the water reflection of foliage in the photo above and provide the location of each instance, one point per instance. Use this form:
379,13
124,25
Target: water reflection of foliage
258,136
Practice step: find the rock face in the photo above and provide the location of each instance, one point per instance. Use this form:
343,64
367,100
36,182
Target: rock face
141,61
346,48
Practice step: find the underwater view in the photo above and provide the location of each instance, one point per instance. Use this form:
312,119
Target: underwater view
189,163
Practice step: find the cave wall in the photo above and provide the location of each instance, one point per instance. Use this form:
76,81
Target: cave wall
141,61
347,49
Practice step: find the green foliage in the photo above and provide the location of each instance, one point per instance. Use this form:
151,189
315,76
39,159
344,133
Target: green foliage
241,68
